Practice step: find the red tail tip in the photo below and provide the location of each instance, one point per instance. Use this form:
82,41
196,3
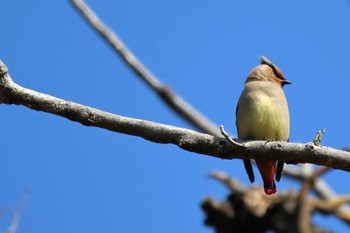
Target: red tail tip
270,191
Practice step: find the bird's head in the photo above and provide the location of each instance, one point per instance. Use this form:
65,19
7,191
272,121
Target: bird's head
267,71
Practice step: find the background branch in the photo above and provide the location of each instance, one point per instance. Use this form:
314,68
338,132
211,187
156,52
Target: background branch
305,209
250,210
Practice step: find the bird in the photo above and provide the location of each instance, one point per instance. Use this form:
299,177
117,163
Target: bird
262,114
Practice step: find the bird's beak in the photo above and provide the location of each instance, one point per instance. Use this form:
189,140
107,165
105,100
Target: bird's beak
285,81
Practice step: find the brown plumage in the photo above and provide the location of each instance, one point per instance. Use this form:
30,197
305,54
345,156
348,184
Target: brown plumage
262,114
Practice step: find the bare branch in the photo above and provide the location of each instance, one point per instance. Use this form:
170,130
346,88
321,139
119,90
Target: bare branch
176,103
321,189
11,93
310,181
305,209
250,210
232,184
331,205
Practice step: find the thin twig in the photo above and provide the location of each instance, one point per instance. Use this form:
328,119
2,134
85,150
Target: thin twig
176,103
318,137
228,137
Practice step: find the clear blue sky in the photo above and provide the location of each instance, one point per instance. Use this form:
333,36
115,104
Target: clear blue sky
91,180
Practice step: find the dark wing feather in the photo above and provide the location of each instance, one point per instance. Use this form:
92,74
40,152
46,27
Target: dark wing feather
249,169
279,169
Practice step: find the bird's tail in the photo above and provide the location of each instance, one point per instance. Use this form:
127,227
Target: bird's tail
267,170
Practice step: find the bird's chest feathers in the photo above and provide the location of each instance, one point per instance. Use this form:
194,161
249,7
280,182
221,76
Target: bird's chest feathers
262,120
263,111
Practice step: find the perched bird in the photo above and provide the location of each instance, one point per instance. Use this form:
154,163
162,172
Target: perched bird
262,114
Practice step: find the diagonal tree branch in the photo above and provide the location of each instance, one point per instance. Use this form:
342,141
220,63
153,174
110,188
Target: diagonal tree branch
12,93
176,103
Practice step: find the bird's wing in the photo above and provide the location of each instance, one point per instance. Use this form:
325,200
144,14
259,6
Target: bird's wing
279,170
249,169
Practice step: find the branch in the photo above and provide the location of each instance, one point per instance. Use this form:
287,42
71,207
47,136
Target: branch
330,206
232,184
321,189
176,103
12,93
309,182
250,210
305,209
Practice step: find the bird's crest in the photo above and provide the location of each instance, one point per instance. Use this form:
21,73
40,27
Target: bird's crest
276,71
264,60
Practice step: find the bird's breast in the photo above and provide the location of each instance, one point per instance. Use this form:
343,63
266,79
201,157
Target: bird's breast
261,116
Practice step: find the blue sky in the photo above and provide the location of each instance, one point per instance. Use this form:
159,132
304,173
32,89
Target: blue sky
86,179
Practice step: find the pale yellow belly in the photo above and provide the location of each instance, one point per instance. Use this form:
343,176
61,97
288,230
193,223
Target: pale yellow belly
263,119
